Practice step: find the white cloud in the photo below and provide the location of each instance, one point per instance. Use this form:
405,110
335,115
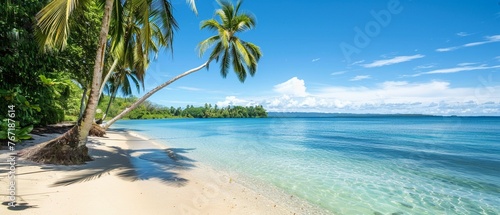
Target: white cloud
488,39
338,73
389,84
190,88
395,60
426,66
360,77
316,59
463,34
292,87
456,69
233,101
434,97
446,49
357,62
466,64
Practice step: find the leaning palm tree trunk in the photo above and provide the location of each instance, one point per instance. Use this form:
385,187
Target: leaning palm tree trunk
243,55
108,75
82,105
96,80
70,147
111,98
150,93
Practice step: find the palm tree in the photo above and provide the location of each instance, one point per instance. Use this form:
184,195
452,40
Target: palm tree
139,41
53,27
122,80
231,50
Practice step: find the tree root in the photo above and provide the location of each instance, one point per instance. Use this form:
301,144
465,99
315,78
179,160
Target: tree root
61,150
97,131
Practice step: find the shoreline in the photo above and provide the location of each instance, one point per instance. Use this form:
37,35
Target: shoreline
131,175
292,203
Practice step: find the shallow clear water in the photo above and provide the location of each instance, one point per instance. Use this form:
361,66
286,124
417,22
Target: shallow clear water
353,165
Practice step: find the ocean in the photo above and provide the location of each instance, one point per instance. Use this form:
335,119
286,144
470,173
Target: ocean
351,165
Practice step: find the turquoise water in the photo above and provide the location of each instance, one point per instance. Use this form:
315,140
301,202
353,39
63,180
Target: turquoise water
353,165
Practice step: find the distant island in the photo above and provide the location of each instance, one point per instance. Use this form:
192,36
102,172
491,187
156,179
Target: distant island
327,115
351,115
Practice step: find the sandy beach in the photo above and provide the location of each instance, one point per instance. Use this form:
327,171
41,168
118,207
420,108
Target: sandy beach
130,175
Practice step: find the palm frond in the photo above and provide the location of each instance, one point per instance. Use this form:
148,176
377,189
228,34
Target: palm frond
238,67
211,24
139,60
158,39
254,58
124,84
254,50
192,4
241,55
107,88
147,39
225,37
238,5
168,22
241,50
116,30
224,66
244,22
222,16
214,55
205,44
228,10
52,23
134,77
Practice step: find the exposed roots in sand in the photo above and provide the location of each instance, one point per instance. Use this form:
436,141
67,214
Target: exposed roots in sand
97,131
61,150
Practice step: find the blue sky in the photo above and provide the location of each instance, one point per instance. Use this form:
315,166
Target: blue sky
347,56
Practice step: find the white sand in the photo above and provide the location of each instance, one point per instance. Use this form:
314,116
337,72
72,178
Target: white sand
130,175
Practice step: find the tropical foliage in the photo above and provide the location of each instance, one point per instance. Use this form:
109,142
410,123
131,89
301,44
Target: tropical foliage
111,40
227,47
17,133
149,110
53,32
37,84
121,80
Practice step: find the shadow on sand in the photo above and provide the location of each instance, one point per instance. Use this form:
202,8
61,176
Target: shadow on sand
138,163
141,162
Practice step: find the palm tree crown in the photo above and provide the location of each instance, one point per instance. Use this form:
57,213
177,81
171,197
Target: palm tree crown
53,27
230,49
124,80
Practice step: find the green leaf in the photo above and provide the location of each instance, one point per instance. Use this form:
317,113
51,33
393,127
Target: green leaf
36,107
4,92
24,137
21,98
26,130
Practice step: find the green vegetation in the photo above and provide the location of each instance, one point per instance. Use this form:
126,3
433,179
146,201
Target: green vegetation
38,85
148,110
17,133
227,47
156,23
58,56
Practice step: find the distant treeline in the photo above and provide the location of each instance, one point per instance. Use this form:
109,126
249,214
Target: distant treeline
149,110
